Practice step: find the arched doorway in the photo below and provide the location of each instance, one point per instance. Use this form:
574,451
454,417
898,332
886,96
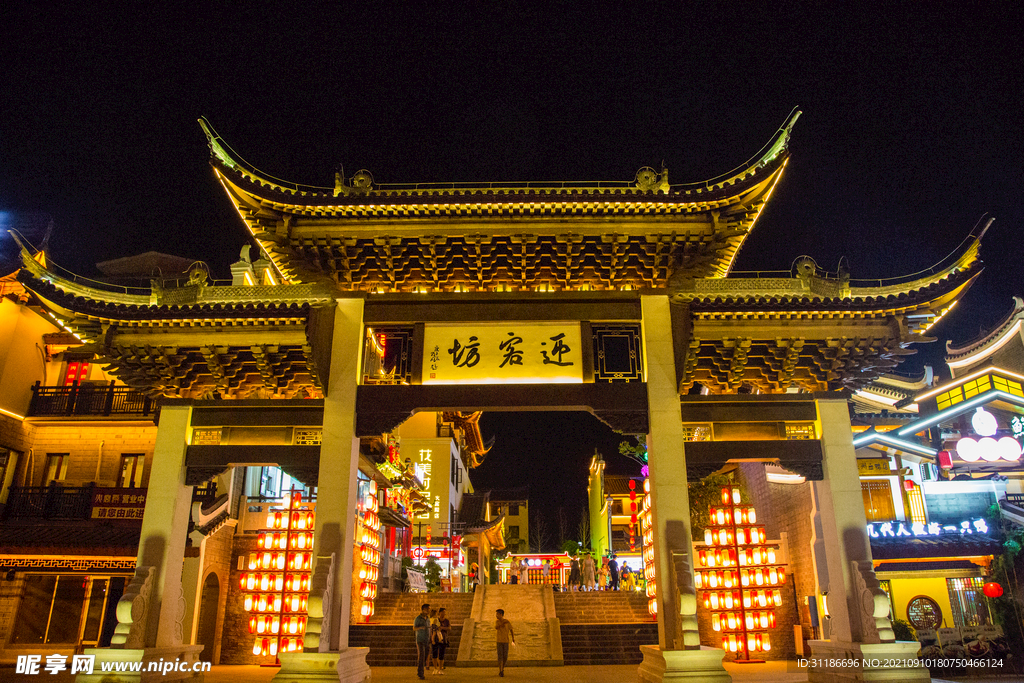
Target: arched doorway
208,604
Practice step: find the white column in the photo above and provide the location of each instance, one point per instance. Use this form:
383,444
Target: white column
670,498
844,524
165,525
339,462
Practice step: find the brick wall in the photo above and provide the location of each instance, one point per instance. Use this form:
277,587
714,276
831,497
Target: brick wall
83,443
235,639
784,510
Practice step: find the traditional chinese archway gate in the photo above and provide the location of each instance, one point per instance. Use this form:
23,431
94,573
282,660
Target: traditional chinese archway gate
506,297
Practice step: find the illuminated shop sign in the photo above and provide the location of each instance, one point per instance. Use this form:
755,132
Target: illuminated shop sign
1017,426
509,353
423,469
896,529
988,448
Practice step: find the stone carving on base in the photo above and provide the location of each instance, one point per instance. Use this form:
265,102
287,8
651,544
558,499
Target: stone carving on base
132,608
685,596
873,604
318,622
179,616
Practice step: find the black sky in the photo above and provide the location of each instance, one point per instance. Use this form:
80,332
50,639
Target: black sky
911,127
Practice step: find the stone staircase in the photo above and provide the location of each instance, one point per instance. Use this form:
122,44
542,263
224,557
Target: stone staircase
403,608
390,636
602,607
585,644
532,613
604,627
393,645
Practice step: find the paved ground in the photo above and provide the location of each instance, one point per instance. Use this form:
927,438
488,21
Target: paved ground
771,672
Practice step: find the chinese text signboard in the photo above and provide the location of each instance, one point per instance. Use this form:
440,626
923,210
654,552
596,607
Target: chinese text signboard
502,353
119,504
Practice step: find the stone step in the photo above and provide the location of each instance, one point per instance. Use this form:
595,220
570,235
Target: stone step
596,644
396,645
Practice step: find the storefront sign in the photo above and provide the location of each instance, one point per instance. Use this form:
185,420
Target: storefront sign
874,467
502,353
897,529
118,504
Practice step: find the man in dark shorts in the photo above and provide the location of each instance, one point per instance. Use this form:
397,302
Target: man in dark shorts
441,641
505,637
421,627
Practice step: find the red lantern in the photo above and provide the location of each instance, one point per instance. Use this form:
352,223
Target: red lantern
992,589
945,460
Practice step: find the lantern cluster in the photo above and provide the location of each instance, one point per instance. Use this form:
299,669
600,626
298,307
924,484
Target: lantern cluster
633,515
737,577
276,585
647,538
368,547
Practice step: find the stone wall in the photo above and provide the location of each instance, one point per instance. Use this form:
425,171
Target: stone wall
92,443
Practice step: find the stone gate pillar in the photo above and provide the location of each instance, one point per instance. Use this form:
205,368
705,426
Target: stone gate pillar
678,655
860,631
151,611
327,656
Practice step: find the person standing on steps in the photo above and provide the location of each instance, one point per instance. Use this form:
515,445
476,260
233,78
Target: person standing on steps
613,572
442,643
574,574
421,627
589,580
505,638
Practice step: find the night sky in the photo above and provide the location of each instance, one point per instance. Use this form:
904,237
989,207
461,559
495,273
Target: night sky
910,132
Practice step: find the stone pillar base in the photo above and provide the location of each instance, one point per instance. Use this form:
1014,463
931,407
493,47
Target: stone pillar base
704,665
163,659
346,666
864,662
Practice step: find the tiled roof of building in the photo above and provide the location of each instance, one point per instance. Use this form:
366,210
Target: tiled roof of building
618,485
952,545
473,509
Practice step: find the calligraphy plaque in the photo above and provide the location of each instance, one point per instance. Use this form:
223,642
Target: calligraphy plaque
502,353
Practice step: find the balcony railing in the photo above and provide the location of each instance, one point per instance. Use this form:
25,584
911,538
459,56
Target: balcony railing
49,502
89,400
57,502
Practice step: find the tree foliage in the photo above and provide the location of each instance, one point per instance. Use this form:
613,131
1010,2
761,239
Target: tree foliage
432,574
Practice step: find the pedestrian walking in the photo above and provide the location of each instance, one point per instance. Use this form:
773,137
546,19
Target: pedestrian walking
435,629
505,637
421,627
613,573
602,577
545,572
628,578
513,571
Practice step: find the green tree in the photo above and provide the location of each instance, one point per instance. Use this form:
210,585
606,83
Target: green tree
432,574
704,494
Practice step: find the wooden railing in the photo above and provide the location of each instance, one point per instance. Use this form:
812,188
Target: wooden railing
89,400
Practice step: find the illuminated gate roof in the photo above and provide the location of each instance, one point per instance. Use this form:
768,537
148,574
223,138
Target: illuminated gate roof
438,237
505,252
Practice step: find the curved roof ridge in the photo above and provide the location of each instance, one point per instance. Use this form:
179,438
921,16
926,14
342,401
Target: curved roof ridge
982,341
40,272
778,145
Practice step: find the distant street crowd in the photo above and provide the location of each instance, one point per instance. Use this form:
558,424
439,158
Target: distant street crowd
584,574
